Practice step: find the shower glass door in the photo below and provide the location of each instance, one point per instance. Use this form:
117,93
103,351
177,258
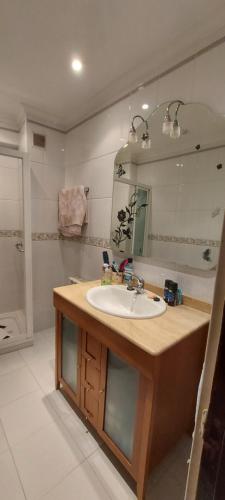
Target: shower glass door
13,268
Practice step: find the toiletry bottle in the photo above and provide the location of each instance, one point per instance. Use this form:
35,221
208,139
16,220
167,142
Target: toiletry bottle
128,271
122,265
106,275
166,289
172,294
179,297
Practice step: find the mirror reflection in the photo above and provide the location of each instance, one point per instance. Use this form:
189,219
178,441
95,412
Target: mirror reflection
169,187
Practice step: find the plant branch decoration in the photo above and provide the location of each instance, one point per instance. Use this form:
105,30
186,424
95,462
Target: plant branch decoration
120,170
126,218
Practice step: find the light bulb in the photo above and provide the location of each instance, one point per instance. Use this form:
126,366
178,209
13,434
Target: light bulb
167,127
175,131
77,65
167,124
132,137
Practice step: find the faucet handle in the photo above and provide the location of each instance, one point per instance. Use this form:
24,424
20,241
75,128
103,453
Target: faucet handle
140,283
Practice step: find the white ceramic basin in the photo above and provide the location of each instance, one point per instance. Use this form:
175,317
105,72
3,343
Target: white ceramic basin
118,301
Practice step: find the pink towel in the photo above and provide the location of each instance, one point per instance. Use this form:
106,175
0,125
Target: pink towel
72,210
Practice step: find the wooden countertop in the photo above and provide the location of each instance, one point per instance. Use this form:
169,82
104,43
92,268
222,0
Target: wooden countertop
154,335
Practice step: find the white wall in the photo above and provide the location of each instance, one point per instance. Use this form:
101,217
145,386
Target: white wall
91,149
47,178
8,138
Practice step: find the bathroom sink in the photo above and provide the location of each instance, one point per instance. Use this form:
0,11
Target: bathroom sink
118,301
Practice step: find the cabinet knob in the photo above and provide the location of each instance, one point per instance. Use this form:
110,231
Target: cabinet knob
88,357
89,414
101,391
88,386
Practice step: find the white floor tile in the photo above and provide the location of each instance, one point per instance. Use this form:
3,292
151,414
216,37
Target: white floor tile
60,405
16,384
43,348
3,442
10,362
166,488
25,416
180,471
44,372
10,486
112,481
81,484
81,436
175,463
44,459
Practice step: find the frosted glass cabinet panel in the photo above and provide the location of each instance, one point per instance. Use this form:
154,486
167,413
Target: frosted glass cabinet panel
69,352
121,403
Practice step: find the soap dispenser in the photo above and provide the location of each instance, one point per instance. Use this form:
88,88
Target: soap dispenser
106,275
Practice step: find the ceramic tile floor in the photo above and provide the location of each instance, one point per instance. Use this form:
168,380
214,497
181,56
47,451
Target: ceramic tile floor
45,450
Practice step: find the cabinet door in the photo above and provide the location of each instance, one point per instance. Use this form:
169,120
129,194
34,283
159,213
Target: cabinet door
70,357
121,402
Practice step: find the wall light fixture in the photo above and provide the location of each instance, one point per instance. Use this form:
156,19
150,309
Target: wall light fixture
145,139
171,126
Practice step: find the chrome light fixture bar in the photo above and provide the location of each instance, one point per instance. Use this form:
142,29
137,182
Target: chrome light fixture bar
171,127
145,139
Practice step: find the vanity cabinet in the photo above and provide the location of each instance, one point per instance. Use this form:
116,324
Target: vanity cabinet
139,404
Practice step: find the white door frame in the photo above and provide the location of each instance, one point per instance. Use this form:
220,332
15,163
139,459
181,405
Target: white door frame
24,157
209,369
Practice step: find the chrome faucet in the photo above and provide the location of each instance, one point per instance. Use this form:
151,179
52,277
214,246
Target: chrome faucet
139,287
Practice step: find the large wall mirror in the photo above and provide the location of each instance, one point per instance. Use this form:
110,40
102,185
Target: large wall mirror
169,199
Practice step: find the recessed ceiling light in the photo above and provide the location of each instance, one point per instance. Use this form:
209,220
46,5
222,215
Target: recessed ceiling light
145,106
77,65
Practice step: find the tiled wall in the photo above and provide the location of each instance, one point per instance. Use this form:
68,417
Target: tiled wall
47,178
91,149
11,262
188,202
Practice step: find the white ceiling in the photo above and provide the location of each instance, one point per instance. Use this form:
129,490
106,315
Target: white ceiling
121,43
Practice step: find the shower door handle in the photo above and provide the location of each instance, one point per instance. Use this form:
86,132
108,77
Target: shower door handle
19,246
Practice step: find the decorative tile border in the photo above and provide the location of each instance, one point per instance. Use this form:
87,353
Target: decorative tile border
105,243
186,241
11,233
46,236
87,240
90,240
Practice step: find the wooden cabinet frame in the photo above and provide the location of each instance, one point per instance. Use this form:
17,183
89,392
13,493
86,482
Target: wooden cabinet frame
167,388
59,380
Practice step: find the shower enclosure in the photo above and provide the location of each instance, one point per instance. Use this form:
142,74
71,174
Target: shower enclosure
16,325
